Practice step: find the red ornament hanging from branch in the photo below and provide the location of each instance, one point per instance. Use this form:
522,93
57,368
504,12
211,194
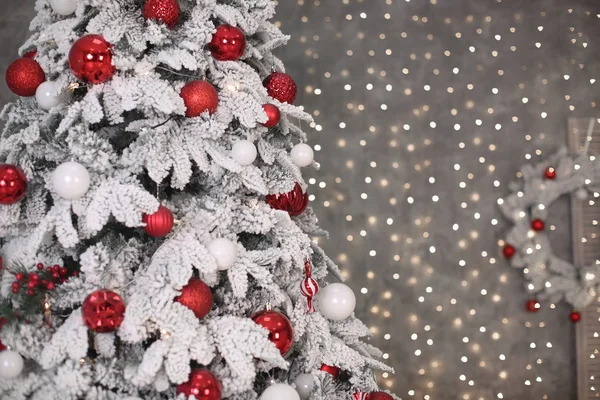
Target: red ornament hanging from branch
196,296
199,96
575,316
228,43
294,202
90,59
281,86
509,251
379,396
532,305
160,223
23,76
281,332
538,225
550,173
103,311
165,11
202,384
309,287
273,115
13,184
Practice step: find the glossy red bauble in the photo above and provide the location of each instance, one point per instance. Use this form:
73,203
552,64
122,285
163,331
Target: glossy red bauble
509,251
202,384
575,316
550,173
199,96
165,11
281,86
103,311
228,43
331,370
537,225
532,305
293,202
30,54
13,184
273,115
160,223
196,296
379,396
23,77
281,332
90,59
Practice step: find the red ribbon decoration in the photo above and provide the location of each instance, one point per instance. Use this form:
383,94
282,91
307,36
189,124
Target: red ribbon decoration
309,287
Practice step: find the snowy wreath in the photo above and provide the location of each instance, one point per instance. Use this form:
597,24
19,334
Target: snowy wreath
527,245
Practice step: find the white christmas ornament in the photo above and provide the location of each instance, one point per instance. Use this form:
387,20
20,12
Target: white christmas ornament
11,364
280,391
337,301
305,383
48,95
244,152
302,155
224,251
71,180
64,7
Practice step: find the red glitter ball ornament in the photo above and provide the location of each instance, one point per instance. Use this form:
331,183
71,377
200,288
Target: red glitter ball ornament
23,77
532,305
103,311
202,384
294,202
379,396
30,54
331,370
13,184
160,223
196,296
273,115
90,59
228,43
281,86
199,96
281,332
165,11
550,173
509,251
575,316
537,225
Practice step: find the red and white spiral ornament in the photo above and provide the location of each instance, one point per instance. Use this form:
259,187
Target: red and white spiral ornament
309,287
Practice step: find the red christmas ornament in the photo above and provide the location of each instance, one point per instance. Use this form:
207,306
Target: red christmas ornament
103,311
309,287
331,370
160,223
273,114
575,316
281,332
293,202
196,296
537,225
13,184
90,59
201,384
2,322
30,54
509,251
24,76
281,86
379,396
165,11
228,43
199,96
550,173
532,305
360,396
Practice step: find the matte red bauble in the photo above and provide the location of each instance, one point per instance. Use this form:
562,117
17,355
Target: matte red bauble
293,202
575,316
509,251
196,296
103,311
165,11
23,77
532,305
273,114
201,384
537,225
379,396
228,43
281,86
90,59
281,332
160,223
199,96
550,173
331,370
13,184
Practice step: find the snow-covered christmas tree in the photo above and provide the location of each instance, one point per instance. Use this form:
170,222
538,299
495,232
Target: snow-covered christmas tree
155,236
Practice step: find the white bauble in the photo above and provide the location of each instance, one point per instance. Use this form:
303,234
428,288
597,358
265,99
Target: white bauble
71,180
305,383
302,155
244,152
280,391
581,194
224,251
336,301
48,95
64,7
11,364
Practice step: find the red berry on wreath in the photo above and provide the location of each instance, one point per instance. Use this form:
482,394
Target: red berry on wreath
55,275
31,292
228,43
199,96
550,173
532,305
281,86
23,77
64,271
160,223
575,316
165,11
273,115
34,276
537,225
90,59
31,284
196,296
19,276
50,286
509,251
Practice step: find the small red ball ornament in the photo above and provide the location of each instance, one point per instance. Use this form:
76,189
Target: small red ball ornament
331,370
273,115
199,96
379,396
165,11
537,225
13,184
281,332
550,173
196,296
90,59
228,43
202,384
575,316
281,86
160,223
23,77
30,54
294,202
103,311
532,305
509,251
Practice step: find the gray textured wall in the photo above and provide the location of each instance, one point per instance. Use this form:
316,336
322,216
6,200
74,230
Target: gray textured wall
442,304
